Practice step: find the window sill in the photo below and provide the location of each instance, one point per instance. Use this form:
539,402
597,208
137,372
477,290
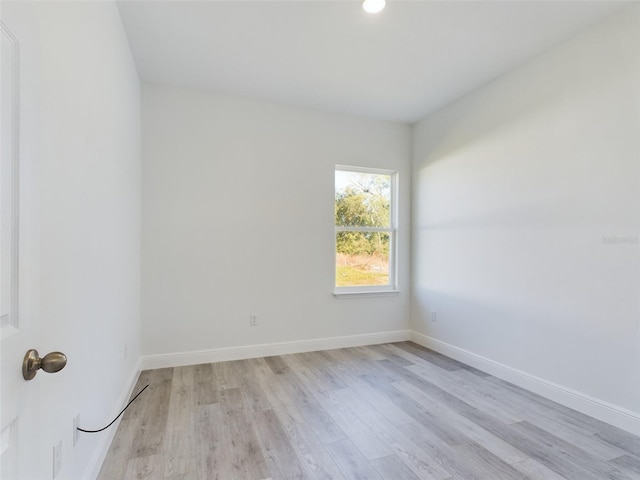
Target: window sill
379,293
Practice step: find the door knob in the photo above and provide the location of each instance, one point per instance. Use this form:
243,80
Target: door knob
51,363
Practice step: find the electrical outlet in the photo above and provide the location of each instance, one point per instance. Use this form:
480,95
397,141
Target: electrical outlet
434,315
57,459
76,422
253,320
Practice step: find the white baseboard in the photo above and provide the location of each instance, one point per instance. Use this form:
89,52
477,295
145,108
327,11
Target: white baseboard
151,362
604,411
100,453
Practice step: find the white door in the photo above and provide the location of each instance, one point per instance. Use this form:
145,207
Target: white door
18,398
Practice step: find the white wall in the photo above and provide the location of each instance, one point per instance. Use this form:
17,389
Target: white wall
238,220
80,219
516,189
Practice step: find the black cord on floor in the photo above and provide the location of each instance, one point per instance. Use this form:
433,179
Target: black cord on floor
104,428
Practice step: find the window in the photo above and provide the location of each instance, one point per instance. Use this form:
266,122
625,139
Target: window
366,230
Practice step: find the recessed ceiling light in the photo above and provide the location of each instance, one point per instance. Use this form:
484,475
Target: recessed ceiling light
373,6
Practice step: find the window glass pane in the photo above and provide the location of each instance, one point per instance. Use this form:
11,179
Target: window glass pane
362,258
362,199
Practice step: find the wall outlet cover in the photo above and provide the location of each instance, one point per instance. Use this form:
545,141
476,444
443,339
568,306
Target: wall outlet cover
57,459
76,422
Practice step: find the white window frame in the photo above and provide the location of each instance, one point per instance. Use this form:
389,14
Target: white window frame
392,230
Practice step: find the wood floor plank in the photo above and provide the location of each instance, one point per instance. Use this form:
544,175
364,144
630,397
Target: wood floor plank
628,464
351,462
214,455
247,457
313,454
205,385
393,412
536,471
115,463
277,364
379,401
391,354
407,355
317,417
368,353
469,461
148,439
252,394
179,439
482,464
446,386
620,439
536,448
393,467
423,466
278,452
150,467
360,434
471,430
589,443
582,423
316,461
427,385
184,476
312,378
420,413
393,347
231,399
273,386
572,453
435,358
356,362
319,364
526,409
226,376
443,454
135,409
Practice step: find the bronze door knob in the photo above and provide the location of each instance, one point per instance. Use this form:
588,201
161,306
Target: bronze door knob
50,363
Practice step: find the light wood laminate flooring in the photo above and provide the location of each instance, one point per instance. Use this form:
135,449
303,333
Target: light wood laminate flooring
395,412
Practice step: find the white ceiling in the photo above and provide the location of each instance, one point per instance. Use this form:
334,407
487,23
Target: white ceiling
401,64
